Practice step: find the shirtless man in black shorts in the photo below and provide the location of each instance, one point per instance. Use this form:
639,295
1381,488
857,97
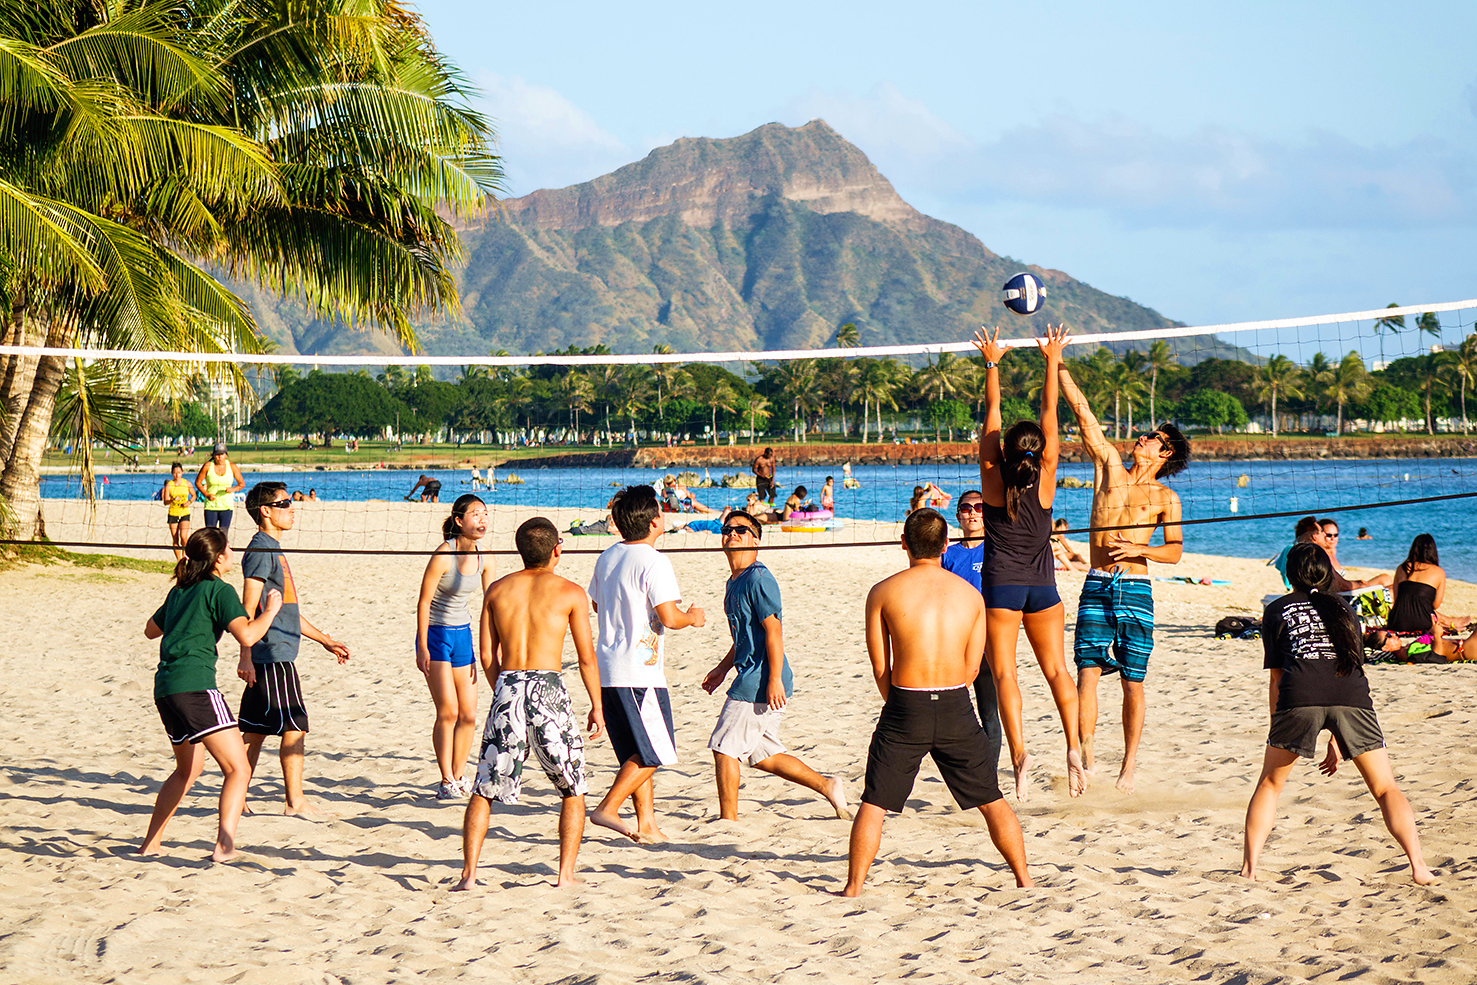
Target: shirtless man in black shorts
926,637
432,487
764,476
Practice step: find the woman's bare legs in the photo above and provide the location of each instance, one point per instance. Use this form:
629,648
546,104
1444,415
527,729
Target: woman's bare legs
454,692
1044,631
228,749
189,760
1262,811
1002,627
1374,766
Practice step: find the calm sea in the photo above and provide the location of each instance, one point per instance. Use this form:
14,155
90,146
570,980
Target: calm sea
1208,489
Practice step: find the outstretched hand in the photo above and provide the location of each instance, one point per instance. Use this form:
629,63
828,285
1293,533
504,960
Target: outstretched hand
1054,342
989,345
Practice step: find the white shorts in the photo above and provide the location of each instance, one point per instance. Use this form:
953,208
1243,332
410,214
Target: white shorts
748,731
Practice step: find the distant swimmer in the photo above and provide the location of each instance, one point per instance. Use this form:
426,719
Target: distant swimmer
525,617
1115,615
925,634
749,723
635,594
431,489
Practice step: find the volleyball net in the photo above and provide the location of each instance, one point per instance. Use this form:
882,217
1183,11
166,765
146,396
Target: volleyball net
1359,416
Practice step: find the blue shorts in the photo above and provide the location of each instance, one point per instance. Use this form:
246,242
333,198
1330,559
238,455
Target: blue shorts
1020,598
1115,624
218,518
451,644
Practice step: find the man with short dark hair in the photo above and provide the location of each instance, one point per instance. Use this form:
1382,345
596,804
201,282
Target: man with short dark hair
272,703
1115,613
635,594
525,616
1330,544
926,638
748,726
764,466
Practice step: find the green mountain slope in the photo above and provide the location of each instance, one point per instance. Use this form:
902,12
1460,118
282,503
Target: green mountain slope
770,240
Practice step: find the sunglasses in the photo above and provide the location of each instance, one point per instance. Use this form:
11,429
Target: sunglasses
972,508
281,504
730,529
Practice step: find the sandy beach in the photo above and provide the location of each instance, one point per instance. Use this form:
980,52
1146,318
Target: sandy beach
1130,889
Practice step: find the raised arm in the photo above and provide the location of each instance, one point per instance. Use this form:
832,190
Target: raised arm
1051,348
1097,445
992,486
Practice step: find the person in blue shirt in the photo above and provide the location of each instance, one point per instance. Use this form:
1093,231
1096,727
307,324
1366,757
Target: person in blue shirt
965,557
748,726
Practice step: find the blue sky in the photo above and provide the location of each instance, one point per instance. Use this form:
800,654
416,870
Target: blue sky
1231,163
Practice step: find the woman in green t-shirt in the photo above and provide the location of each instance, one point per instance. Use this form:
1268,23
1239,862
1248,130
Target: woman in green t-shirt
197,610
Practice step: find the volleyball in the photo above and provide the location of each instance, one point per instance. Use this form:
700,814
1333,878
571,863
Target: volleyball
1023,294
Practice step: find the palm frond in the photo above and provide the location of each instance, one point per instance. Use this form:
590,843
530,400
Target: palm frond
137,48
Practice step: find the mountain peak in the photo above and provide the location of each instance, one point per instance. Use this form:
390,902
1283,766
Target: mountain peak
707,182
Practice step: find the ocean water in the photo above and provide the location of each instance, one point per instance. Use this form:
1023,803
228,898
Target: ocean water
1206,490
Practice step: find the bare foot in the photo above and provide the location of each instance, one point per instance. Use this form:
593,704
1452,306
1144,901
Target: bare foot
308,810
614,823
836,794
1089,761
146,850
464,884
1076,775
567,881
1125,778
650,836
1023,779
1248,873
1422,876
224,856
850,892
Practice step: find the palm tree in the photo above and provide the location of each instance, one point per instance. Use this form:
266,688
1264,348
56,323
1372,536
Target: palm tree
877,386
795,379
1159,359
1430,324
848,337
717,394
758,408
1394,324
1464,368
1124,384
575,390
1281,376
306,149
632,388
1435,371
1348,382
669,379
942,377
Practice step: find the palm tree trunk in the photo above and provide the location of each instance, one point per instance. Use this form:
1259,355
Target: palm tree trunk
715,424
1340,430
1117,424
1274,413
1430,429
1464,404
16,376
866,421
1153,385
20,484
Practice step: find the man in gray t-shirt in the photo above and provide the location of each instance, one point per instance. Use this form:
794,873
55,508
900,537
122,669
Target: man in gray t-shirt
272,703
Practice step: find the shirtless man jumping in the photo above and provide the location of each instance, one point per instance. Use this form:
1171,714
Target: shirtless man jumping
1115,615
524,618
926,637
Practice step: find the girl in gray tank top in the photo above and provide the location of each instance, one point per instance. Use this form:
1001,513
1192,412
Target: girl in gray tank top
445,651
1017,579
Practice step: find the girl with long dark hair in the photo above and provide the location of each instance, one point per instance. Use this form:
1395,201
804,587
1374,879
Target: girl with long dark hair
1314,652
1018,578
451,590
197,610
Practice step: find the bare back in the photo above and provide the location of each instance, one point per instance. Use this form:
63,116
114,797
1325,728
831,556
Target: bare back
925,628
525,616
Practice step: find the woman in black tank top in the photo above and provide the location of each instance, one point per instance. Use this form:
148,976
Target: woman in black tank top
1018,579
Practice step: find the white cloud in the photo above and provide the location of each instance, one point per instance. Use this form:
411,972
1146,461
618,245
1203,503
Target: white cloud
1140,176
546,140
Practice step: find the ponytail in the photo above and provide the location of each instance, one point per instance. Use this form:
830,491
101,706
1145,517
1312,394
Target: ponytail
202,550
1310,571
1021,465
451,526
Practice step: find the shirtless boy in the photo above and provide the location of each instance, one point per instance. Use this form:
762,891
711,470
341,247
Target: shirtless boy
524,618
926,637
1115,615
763,467
748,729
635,594
272,703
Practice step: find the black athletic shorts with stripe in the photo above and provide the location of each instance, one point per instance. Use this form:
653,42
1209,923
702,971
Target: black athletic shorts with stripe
274,704
192,715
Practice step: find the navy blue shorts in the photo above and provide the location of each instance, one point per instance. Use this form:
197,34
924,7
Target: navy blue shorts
639,723
1020,598
218,518
450,644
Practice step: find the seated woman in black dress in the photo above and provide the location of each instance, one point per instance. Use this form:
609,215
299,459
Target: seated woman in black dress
1420,588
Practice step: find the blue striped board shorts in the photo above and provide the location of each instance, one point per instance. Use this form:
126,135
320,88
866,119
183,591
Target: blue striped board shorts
1115,624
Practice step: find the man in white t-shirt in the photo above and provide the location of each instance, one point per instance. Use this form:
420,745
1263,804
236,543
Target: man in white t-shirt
635,594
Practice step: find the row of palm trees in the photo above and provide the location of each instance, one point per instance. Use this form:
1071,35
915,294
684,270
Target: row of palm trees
148,147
